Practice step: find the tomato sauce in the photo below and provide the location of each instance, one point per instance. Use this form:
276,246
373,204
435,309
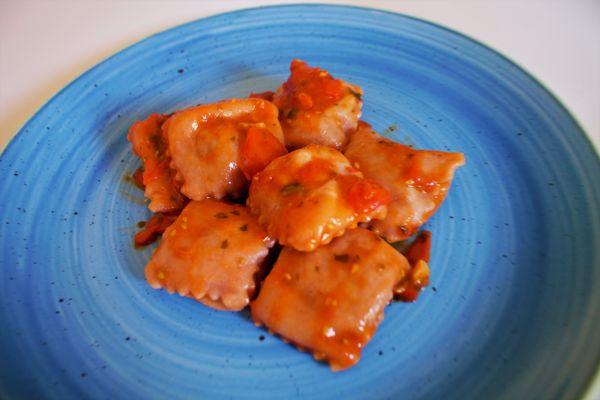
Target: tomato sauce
268,95
417,255
138,178
155,226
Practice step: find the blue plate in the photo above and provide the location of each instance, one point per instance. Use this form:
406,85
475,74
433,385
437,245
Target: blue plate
513,310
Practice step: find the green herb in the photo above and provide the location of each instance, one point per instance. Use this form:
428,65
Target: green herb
291,188
224,244
244,228
221,215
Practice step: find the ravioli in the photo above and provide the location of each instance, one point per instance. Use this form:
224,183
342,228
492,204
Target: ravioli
158,179
331,300
207,144
316,108
312,195
213,252
418,180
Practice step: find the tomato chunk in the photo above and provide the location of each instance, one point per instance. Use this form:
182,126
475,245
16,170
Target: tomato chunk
366,195
417,255
259,148
138,178
420,248
155,226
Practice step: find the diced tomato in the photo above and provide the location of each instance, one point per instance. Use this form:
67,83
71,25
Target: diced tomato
365,195
259,148
406,293
138,177
155,226
420,248
417,255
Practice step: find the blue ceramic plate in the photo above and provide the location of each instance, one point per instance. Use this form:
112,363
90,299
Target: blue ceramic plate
513,310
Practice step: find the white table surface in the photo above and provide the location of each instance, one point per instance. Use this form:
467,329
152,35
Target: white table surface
46,44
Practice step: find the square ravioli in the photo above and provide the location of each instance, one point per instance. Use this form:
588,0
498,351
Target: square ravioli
418,180
312,195
213,252
149,144
215,148
331,300
316,108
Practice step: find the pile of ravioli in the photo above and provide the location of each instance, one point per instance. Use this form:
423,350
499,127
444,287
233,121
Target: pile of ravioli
286,202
